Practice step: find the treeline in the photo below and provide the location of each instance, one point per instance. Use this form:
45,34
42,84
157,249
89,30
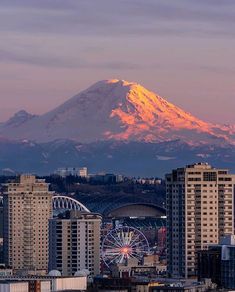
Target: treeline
81,185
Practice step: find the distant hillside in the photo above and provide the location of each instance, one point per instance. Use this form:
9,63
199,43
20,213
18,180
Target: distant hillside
129,158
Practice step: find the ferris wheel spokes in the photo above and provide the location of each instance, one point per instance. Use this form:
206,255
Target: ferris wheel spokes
122,244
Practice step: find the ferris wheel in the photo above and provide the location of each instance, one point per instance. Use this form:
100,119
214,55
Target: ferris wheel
123,243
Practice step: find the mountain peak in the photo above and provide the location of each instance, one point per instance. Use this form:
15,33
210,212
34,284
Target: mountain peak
22,113
114,82
117,110
19,118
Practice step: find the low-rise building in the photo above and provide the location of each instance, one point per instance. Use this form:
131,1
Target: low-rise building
49,283
150,285
150,267
5,272
14,286
209,265
74,171
218,263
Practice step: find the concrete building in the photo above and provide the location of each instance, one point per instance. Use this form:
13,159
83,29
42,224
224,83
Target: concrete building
27,205
199,211
75,243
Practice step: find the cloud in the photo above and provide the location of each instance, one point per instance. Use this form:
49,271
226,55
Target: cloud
116,18
56,34
217,69
50,60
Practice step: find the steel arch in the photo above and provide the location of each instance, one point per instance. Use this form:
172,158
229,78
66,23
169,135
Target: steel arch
63,202
67,203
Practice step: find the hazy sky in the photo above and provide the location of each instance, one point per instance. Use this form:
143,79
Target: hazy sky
182,49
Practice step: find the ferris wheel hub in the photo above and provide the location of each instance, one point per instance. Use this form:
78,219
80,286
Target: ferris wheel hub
126,250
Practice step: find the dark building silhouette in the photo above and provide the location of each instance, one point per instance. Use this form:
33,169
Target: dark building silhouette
209,265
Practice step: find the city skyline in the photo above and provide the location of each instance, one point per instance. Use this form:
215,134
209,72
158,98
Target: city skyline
182,51
117,145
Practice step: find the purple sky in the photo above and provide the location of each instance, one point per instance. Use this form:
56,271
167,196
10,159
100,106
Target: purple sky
183,50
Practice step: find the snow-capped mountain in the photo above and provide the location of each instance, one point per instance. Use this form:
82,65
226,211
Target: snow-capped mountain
116,110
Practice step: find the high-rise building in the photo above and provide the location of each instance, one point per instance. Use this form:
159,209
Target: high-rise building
75,243
199,211
27,207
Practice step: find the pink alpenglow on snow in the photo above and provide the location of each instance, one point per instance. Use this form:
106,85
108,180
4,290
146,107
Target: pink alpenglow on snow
118,110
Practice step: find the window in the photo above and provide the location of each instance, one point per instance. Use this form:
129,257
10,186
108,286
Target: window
209,176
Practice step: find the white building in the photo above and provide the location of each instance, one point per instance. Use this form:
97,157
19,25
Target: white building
69,284
75,243
47,283
10,286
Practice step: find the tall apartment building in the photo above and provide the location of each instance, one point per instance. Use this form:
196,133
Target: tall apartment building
27,207
199,211
75,243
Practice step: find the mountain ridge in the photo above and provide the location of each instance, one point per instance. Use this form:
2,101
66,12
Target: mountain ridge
128,158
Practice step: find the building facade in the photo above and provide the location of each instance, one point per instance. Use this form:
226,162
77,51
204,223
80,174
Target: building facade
27,206
199,211
75,243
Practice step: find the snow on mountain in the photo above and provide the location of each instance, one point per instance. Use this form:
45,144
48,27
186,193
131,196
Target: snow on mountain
19,118
116,110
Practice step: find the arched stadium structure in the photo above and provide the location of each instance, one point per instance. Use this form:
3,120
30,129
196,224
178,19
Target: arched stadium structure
60,202
134,210
123,205
67,203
